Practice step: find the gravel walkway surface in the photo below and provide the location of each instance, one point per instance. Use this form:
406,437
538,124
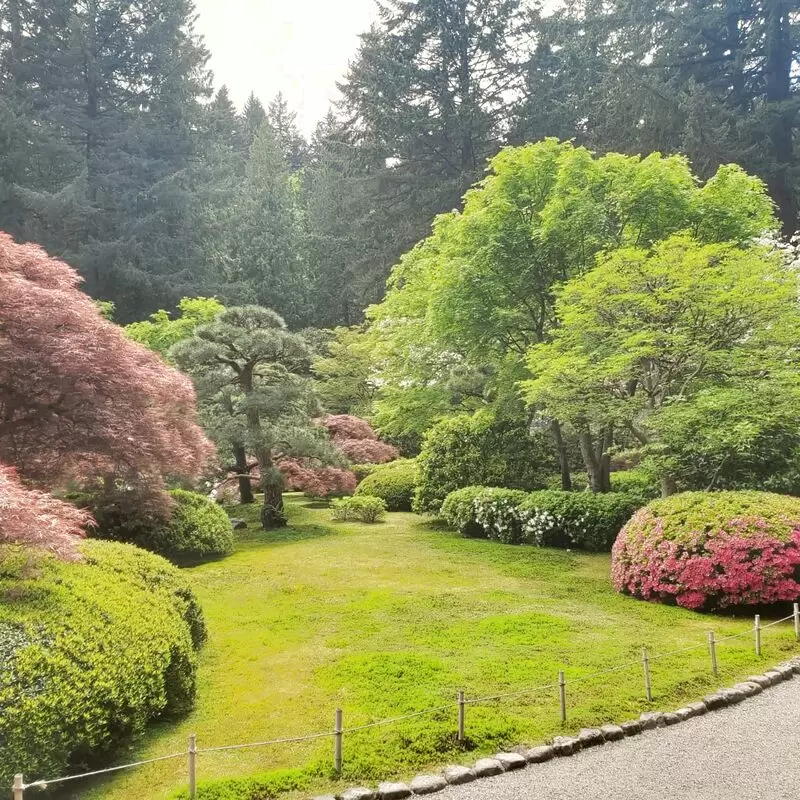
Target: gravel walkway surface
746,752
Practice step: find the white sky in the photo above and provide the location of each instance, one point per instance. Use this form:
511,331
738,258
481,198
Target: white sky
299,47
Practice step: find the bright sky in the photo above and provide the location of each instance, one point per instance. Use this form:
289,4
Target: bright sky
299,47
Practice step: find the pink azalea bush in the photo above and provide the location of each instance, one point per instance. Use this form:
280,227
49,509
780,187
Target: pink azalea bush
356,439
706,551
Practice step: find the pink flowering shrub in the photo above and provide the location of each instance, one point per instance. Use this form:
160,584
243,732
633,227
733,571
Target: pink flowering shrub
302,476
356,439
706,551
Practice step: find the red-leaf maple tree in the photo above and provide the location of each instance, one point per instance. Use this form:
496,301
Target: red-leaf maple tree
357,440
78,400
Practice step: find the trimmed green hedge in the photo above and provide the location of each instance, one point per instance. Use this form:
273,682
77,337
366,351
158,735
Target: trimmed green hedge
547,518
198,528
394,482
91,652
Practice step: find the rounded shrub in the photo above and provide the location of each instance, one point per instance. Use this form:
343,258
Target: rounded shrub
637,484
193,529
458,511
711,550
395,483
362,470
584,520
91,652
362,509
480,450
487,512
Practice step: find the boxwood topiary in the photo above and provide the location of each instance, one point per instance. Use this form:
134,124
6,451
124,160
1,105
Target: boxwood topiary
91,651
395,483
711,550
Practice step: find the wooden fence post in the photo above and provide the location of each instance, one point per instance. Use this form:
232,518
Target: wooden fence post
193,766
647,687
712,648
562,695
337,742
18,787
757,629
796,612
461,730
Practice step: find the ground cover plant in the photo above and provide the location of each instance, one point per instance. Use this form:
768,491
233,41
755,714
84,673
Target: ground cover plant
326,614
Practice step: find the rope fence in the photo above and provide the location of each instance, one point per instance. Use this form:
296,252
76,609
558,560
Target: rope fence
19,787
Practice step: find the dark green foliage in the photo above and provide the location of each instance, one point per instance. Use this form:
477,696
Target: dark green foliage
192,528
92,652
584,520
395,482
361,471
480,450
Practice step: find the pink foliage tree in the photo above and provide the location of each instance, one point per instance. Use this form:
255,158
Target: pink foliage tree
358,441
78,400
317,481
37,519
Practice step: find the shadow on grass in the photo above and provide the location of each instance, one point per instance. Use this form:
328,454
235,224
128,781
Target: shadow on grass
257,537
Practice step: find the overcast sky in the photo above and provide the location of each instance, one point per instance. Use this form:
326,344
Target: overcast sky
300,47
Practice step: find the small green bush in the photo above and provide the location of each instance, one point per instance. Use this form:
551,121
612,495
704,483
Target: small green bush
636,483
363,509
361,471
583,520
197,528
395,483
91,652
458,511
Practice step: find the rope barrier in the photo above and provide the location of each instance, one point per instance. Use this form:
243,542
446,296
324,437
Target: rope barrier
43,784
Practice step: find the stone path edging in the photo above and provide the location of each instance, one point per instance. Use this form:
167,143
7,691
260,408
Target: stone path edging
562,746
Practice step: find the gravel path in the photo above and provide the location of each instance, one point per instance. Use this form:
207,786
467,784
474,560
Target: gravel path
746,752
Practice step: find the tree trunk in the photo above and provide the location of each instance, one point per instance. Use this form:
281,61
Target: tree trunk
272,514
668,486
245,485
563,456
780,110
597,460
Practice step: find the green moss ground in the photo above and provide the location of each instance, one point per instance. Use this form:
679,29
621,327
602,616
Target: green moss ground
388,619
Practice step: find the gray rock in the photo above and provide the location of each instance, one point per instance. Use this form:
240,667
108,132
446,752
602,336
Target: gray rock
613,733
566,745
393,791
511,761
734,696
428,784
456,775
485,767
762,680
748,689
699,708
794,663
774,676
685,713
651,720
672,718
358,793
786,671
238,524
324,797
589,737
715,701
538,755
632,727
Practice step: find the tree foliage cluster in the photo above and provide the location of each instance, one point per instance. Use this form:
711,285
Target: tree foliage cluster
117,156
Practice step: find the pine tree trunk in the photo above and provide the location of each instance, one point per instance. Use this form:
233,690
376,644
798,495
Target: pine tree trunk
563,456
272,514
245,485
778,84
